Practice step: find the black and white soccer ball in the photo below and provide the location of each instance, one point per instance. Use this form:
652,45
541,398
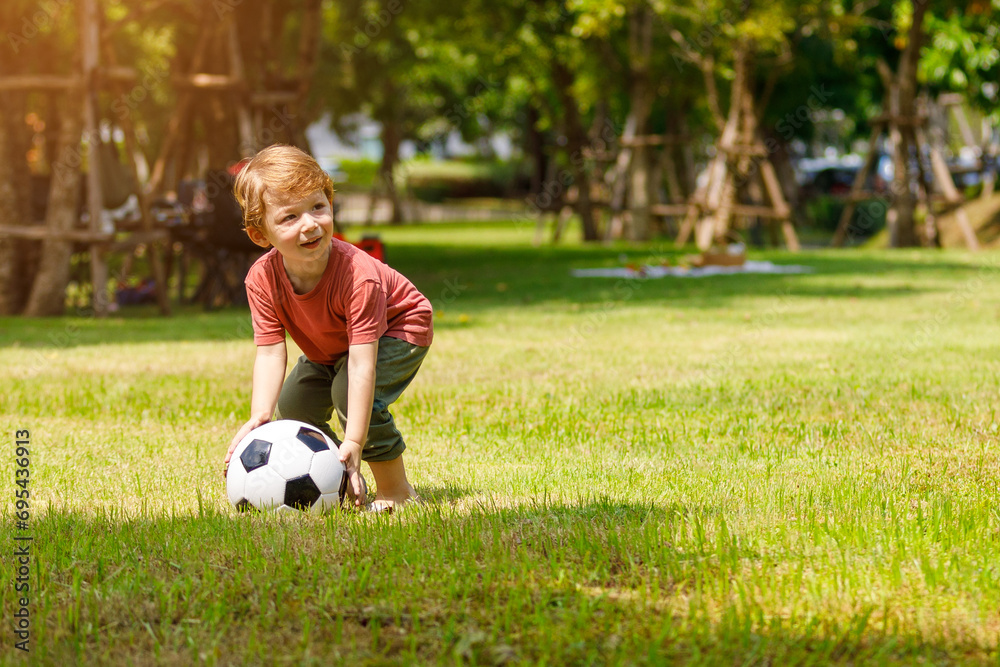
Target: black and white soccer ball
284,466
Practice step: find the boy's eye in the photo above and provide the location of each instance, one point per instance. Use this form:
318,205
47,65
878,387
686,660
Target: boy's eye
290,216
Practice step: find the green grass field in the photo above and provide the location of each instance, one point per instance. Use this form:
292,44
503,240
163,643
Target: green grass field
744,470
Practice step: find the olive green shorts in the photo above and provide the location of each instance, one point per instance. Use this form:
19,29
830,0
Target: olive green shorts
312,392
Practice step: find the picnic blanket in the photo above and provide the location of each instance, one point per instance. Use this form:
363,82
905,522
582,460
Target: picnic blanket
749,266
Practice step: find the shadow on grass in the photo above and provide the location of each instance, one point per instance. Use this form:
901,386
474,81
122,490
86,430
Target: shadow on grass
448,494
602,580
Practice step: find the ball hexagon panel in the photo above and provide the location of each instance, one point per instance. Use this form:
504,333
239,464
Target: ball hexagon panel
301,492
264,488
256,454
327,471
313,439
244,506
236,477
290,458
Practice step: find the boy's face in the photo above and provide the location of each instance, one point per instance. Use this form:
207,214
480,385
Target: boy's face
300,229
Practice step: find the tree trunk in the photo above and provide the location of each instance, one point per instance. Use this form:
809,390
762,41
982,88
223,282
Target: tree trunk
17,256
782,160
48,294
576,143
391,138
9,274
535,148
671,159
902,227
721,194
642,187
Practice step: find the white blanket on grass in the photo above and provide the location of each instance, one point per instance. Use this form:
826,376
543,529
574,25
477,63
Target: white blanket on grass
749,266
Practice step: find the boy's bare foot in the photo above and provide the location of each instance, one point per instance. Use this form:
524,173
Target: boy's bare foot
384,502
393,489
381,507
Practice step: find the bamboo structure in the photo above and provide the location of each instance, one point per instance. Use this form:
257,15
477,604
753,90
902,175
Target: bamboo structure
740,166
935,186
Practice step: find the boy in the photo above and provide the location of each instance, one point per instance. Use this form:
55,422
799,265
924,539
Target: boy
364,328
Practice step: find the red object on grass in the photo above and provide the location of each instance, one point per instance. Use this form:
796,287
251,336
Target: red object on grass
370,244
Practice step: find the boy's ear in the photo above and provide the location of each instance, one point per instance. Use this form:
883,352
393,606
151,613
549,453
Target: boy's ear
258,237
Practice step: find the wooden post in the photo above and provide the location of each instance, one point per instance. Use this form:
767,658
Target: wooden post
181,116
942,178
713,205
90,29
309,42
988,153
859,183
244,122
619,179
48,291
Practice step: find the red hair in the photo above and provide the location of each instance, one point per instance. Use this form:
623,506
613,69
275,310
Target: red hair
282,169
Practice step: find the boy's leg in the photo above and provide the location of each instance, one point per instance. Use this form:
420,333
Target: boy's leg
390,480
305,396
396,365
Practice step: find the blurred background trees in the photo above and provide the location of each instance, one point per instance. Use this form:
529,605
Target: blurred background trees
641,117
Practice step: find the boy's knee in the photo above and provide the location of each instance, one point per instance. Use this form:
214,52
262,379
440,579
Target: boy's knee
286,409
387,450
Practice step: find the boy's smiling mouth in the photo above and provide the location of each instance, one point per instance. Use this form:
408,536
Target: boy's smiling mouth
312,244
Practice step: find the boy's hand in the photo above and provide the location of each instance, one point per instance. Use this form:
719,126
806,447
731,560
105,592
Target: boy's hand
246,428
350,456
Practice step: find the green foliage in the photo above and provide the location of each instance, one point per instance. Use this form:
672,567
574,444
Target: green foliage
454,179
963,54
360,174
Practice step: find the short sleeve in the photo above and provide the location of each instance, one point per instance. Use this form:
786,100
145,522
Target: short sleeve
267,329
366,320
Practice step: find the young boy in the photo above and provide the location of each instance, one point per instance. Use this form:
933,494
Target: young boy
364,328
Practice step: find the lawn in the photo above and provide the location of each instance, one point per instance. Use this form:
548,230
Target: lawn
742,470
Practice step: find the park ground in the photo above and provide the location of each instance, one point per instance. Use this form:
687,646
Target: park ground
744,470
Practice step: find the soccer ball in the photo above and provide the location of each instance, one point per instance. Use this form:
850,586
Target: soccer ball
286,465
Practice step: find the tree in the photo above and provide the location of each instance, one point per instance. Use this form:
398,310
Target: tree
751,47
963,49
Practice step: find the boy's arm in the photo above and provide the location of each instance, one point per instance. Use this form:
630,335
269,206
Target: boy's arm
268,375
360,396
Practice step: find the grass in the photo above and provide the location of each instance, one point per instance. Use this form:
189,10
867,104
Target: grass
747,470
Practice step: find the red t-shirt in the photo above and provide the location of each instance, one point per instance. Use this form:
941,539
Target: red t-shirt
358,300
